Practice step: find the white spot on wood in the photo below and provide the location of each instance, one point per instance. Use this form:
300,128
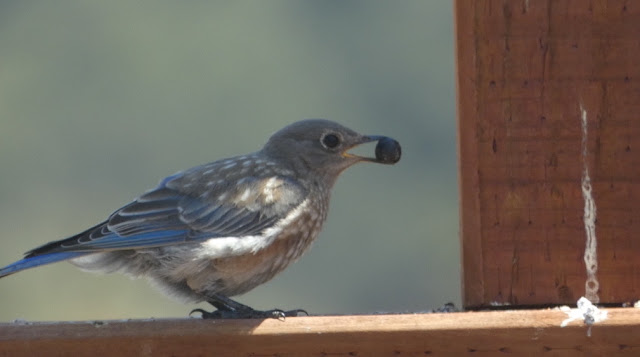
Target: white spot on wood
590,250
586,311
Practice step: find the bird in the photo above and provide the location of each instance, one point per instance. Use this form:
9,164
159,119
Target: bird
220,229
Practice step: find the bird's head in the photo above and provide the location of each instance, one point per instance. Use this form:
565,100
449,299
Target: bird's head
321,148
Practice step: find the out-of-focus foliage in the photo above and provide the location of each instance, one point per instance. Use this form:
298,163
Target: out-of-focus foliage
101,99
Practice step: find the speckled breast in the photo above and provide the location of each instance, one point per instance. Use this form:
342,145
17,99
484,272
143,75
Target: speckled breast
239,274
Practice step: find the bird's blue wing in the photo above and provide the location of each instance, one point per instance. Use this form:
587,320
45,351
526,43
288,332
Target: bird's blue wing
171,214
157,227
183,208
136,234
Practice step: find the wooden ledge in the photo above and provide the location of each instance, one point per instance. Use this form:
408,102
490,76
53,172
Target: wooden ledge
519,332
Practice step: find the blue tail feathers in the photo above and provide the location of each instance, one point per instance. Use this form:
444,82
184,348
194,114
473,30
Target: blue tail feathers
38,260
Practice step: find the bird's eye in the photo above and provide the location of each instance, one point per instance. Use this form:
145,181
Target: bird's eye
330,141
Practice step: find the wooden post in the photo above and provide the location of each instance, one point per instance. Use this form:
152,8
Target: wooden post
549,129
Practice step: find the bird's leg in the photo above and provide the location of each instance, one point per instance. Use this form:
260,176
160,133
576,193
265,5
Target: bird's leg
231,309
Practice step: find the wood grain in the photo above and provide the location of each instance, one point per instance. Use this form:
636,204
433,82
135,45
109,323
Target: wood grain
455,334
526,69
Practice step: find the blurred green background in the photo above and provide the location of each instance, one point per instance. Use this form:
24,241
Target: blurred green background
101,99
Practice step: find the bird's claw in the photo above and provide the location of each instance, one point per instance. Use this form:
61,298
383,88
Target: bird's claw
249,314
295,313
281,315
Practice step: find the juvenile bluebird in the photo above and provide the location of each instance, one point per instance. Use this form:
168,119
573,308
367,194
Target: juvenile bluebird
221,229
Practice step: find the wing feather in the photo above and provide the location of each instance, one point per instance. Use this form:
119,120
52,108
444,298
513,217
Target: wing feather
175,213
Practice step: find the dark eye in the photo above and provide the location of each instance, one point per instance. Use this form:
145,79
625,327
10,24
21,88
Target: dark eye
330,141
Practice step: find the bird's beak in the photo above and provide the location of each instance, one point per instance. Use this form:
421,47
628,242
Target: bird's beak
387,150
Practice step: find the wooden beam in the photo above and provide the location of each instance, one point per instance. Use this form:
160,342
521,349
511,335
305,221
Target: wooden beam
548,125
455,334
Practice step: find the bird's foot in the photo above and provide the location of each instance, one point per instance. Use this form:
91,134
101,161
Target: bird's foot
230,309
249,314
